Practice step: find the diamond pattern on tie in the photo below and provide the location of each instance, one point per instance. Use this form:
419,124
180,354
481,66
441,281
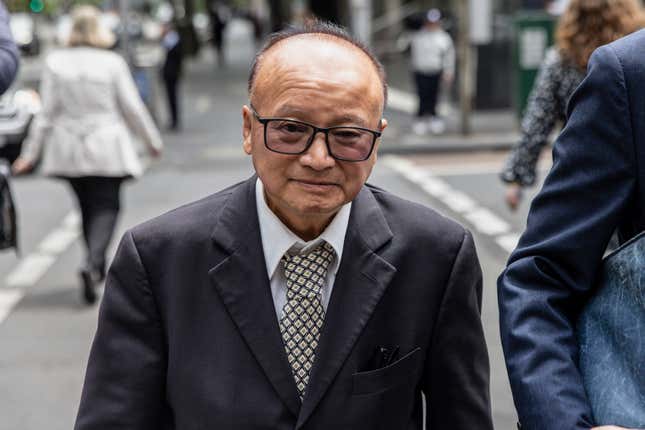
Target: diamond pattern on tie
303,314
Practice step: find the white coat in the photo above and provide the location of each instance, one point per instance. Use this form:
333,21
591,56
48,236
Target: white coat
91,110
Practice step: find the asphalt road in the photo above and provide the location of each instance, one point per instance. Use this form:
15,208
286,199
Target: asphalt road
45,331
46,337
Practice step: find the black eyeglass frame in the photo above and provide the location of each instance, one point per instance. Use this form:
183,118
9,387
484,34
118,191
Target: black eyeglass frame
324,130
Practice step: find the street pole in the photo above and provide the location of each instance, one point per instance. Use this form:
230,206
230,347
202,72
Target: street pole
124,42
393,7
361,19
465,57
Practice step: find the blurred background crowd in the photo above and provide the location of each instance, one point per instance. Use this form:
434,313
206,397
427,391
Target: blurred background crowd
499,44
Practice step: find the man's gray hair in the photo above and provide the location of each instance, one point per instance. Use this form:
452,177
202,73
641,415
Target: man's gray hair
323,28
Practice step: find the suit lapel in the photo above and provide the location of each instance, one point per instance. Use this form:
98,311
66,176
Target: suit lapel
360,282
242,283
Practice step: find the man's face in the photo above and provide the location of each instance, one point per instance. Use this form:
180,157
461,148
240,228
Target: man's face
325,82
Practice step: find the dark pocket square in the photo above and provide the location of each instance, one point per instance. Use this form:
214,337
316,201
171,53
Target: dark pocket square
374,381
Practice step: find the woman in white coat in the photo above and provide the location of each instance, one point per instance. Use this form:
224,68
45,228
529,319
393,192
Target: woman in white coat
91,108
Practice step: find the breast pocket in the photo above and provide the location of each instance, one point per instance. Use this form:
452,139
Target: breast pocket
379,380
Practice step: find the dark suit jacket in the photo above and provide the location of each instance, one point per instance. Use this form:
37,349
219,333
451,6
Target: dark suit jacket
171,69
597,185
188,337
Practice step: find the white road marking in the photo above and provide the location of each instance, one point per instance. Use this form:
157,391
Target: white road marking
487,222
8,299
481,219
29,270
508,241
203,104
470,169
459,202
57,241
467,169
435,187
401,100
34,266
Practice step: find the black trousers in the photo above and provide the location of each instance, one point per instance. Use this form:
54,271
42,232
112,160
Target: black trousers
171,83
99,201
428,91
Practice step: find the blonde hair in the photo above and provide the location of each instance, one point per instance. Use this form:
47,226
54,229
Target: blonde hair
87,30
588,24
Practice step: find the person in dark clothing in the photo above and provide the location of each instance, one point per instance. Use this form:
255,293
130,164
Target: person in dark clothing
219,15
9,56
171,73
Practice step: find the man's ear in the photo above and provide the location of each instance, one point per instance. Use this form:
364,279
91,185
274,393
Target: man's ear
247,125
382,125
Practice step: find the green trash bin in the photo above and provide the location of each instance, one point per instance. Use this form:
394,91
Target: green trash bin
534,35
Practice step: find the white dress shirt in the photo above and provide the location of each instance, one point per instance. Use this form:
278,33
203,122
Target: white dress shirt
277,239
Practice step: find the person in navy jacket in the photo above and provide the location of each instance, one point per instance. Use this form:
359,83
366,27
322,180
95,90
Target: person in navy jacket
596,187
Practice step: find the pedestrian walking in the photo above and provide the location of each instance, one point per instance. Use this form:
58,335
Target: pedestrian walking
300,298
171,73
219,14
84,133
596,187
433,63
584,26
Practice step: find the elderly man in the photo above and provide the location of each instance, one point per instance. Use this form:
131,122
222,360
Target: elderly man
301,298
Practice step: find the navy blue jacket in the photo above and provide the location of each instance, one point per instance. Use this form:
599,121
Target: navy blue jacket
8,52
596,186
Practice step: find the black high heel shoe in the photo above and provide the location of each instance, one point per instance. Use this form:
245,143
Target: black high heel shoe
89,286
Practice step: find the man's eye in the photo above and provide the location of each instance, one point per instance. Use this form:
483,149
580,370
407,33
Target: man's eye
290,127
347,134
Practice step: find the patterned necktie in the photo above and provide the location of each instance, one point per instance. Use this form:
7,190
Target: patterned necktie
303,314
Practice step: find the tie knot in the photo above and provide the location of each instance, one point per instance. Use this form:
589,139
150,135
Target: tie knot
306,273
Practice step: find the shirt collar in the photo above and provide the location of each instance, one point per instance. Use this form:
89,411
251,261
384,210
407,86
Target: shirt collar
277,238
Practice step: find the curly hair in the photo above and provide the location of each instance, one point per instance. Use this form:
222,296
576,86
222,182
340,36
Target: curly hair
588,24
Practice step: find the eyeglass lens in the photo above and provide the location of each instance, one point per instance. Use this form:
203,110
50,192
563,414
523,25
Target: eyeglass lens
344,142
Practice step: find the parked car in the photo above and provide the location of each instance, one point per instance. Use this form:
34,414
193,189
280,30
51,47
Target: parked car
17,110
23,29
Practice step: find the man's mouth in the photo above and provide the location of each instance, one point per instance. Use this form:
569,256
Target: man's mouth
315,183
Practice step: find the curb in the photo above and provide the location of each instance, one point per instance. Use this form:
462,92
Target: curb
452,144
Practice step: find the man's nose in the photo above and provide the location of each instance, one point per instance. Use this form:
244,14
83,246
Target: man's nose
317,156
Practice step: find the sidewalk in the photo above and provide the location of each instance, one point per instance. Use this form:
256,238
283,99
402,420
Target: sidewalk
490,130
226,88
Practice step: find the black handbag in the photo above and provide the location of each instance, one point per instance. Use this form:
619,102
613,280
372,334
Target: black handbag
8,225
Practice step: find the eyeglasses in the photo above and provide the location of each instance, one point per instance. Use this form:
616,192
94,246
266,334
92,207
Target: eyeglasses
287,136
